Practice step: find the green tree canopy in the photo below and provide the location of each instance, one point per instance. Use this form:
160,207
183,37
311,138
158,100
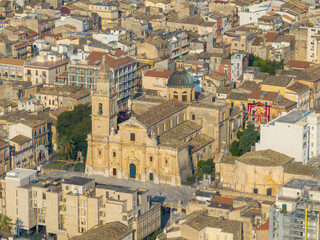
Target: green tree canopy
234,148
248,139
75,125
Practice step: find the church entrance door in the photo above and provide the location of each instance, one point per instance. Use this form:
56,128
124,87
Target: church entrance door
132,170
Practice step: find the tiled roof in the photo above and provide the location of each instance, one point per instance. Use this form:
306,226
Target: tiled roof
265,158
299,169
298,87
281,81
12,61
258,94
115,61
202,221
299,64
110,231
270,36
20,139
160,112
176,136
222,200
200,142
236,95
159,74
264,227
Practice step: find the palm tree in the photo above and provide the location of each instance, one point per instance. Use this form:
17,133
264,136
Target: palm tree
66,146
6,225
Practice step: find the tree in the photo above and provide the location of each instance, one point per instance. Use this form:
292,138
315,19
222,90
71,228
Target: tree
6,225
206,169
248,139
201,163
234,148
66,146
239,134
76,124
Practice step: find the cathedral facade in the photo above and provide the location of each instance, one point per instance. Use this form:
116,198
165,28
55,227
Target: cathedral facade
164,140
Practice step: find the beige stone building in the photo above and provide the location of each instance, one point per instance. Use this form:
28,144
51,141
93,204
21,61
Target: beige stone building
11,69
108,12
156,80
44,69
70,207
265,170
5,157
161,142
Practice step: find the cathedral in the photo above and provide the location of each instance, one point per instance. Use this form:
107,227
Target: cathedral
164,138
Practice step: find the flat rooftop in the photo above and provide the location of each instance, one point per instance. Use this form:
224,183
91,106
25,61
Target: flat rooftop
301,183
80,181
116,188
19,173
292,117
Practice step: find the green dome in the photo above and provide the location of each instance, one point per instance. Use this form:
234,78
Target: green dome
180,79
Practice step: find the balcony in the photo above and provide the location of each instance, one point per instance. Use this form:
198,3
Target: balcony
41,134
28,74
43,76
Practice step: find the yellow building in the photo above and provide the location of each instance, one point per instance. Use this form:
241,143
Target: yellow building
165,141
265,170
108,12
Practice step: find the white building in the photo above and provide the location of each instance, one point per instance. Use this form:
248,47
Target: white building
239,64
113,35
296,134
82,23
251,14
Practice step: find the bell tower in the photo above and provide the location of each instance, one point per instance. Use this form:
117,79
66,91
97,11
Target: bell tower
104,103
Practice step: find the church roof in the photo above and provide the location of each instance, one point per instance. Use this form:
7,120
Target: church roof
160,112
180,79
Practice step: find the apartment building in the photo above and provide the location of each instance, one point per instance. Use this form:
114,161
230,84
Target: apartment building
108,12
39,132
85,73
11,69
296,213
45,69
178,43
71,207
66,96
5,157
296,134
239,64
21,152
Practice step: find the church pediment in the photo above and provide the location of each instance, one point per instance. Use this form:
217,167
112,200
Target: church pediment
132,123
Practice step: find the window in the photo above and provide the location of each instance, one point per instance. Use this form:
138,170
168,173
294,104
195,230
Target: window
114,154
100,109
284,208
67,187
35,203
151,159
44,196
151,176
132,137
166,161
255,190
99,152
269,191
193,117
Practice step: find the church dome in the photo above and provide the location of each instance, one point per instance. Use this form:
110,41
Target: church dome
180,78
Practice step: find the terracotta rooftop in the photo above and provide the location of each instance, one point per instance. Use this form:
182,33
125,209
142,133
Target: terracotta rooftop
110,231
270,36
114,61
159,74
222,200
160,112
299,64
263,95
264,227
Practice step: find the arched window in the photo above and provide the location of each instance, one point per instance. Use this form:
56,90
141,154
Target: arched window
175,95
224,116
100,109
164,127
184,96
177,120
170,123
158,130
184,116
191,95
